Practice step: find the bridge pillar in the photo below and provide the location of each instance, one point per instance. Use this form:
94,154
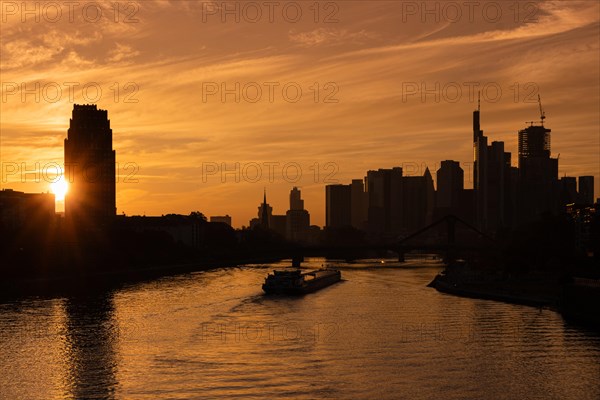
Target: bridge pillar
297,260
451,229
449,257
401,256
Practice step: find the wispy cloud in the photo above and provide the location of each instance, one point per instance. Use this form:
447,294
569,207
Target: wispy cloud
368,58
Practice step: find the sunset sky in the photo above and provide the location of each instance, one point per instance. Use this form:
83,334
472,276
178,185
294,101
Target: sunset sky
367,59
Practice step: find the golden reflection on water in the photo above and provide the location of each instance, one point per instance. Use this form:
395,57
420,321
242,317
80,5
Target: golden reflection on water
91,335
378,334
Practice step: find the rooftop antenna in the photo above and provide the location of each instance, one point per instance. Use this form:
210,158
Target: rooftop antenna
479,100
542,113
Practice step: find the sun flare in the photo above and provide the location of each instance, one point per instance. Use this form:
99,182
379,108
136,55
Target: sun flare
60,188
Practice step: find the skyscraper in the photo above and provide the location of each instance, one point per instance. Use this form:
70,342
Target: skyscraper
586,190
90,168
450,184
297,218
496,185
359,204
538,174
534,142
493,181
398,204
337,206
416,203
568,190
480,170
384,188
296,202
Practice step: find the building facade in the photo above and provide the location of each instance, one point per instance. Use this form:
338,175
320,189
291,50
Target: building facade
90,168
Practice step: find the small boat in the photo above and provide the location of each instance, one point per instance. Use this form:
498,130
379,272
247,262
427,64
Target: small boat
296,282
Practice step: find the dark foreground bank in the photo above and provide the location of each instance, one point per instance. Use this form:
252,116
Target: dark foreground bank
575,298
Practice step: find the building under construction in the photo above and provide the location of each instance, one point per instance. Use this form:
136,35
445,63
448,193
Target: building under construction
538,171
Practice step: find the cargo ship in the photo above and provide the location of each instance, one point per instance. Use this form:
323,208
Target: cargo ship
296,282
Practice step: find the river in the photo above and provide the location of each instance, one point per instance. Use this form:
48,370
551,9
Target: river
379,334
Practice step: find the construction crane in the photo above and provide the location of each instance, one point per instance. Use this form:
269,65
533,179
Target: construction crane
542,113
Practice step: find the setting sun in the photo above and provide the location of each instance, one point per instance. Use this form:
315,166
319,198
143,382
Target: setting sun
60,188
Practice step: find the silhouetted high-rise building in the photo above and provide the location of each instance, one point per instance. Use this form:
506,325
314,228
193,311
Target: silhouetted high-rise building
538,174
497,169
494,182
511,179
296,202
534,142
90,168
417,202
586,189
451,197
398,205
568,190
337,206
297,218
359,203
480,171
450,184
385,200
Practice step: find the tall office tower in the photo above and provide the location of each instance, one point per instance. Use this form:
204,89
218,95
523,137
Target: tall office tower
477,135
586,189
568,190
534,142
359,204
450,184
297,218
337,206
511,188
496,200
296,202
90,168
494,182
538,173
384,191
417,202
480,166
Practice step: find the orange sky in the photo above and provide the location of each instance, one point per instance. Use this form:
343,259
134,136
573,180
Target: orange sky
368,57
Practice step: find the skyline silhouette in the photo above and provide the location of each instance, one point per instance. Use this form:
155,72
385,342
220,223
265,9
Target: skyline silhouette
527,190
98,159
393,107
300,199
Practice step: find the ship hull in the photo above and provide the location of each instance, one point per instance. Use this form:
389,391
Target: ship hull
321,280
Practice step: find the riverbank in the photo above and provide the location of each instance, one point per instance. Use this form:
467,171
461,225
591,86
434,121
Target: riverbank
86,281
576,301
530,290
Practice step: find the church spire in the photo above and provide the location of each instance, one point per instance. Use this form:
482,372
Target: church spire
265,212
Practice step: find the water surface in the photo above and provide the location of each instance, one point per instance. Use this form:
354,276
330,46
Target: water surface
381,333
